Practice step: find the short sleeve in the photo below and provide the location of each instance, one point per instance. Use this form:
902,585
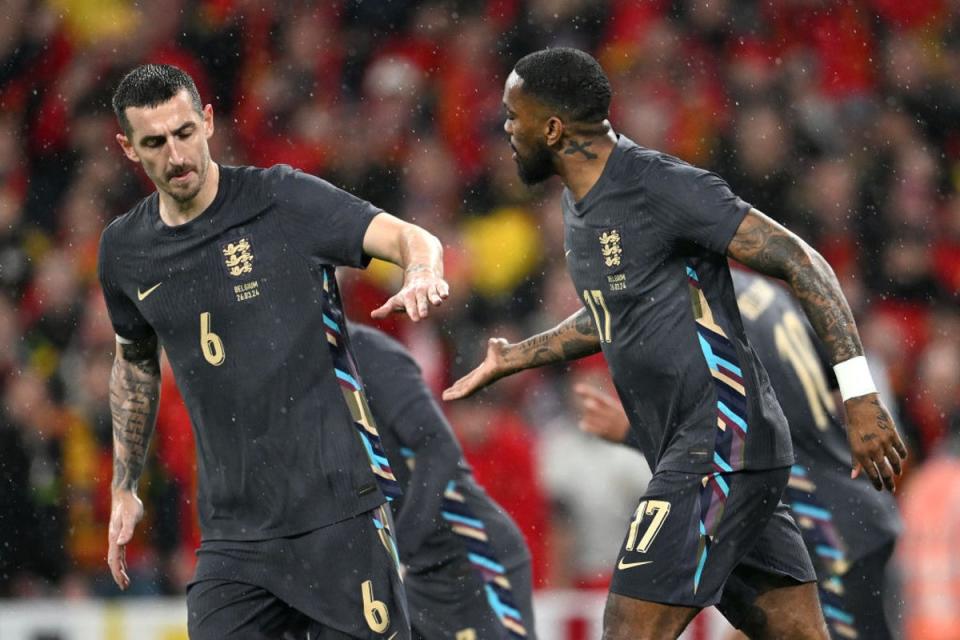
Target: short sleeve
127,321
691,204
324,222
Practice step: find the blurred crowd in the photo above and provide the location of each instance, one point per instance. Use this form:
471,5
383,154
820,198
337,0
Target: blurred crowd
841,119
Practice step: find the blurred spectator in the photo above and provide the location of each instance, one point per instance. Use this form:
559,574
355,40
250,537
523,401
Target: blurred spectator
927,553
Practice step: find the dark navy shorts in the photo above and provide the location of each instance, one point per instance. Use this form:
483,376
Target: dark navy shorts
337,582
717,539
454,602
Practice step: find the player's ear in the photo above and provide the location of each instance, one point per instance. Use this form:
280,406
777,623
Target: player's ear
127,147
553,130
208,121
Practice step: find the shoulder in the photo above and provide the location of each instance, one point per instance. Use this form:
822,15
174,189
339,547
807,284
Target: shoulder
130,225
374,345
638,161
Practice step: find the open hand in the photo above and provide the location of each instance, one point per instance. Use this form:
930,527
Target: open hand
493,367
603,415
875,445
422,287
126,512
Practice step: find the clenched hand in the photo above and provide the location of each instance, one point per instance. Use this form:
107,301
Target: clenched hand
875,445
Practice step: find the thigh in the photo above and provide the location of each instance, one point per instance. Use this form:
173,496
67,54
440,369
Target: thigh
627,618
690,531
221,609
772,593
343,577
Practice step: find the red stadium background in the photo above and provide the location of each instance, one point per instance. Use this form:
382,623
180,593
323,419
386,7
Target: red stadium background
841,119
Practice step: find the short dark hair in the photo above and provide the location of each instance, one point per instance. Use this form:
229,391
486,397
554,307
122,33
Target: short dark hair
568,80
149,85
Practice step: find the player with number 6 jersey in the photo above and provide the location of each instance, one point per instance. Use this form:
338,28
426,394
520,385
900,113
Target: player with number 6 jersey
647,238
231,271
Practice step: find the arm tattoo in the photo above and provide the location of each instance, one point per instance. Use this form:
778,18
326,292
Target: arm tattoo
765,246
580,147
134,396
575,337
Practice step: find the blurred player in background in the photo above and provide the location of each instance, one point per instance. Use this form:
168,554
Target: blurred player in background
468,571
231,271
849,529
647,238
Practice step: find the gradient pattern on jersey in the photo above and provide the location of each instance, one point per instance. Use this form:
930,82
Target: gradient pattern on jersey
721,358
830,558
345,367
472,531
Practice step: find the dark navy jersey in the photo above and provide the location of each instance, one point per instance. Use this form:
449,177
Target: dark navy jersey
646,251
443,511
243,301
866,519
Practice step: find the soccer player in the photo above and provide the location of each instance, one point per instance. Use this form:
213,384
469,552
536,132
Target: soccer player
849,530
468,573
647,238
231,271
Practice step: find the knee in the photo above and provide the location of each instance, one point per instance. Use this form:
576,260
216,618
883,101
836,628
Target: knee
628,619
786,626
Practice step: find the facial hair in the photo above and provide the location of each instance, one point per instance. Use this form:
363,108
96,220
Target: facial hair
536,167
201,170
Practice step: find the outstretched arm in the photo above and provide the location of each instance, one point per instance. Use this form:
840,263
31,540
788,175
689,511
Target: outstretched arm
765,246
134,397
419,253
575,337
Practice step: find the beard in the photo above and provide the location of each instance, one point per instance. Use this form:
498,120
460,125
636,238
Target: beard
536,167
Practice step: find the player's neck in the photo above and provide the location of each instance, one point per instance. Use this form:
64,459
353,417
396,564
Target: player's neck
174,213
582,161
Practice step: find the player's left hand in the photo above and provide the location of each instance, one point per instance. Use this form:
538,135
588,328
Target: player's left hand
603,415
875,445
422,288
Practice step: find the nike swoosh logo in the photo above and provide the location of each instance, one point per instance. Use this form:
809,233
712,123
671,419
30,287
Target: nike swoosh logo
393,636
631,565
142,295
567,252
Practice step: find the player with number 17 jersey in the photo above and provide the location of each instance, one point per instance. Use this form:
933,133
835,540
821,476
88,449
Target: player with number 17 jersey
646,251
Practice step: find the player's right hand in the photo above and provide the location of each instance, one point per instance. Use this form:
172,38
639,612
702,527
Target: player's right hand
493,367
126,512
603,415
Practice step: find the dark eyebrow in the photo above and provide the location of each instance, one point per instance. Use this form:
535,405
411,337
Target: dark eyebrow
183,127
147,139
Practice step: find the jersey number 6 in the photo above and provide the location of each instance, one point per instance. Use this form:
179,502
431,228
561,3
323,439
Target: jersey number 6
374,611
210,343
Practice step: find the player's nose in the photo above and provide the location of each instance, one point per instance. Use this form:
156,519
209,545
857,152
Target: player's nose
176,153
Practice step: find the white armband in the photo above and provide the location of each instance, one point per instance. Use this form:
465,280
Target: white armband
854,378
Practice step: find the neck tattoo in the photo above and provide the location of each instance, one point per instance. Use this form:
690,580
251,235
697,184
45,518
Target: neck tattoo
580,147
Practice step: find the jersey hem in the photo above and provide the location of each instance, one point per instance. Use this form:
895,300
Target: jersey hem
364,505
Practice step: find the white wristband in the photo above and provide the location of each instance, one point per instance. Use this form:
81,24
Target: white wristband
854,378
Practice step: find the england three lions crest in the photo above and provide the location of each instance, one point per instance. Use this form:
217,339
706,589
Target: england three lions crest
610,247
238,257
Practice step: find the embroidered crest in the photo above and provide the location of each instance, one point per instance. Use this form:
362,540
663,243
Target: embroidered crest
610,246
238,257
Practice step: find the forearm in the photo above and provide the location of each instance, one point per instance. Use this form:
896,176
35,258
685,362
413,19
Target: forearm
134,398
420,250
765,246
576,337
